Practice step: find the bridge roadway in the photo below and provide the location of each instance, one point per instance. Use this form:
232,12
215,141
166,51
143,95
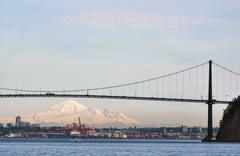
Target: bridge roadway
51,95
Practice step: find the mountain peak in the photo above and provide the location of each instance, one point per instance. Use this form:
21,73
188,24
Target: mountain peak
69,111
69,106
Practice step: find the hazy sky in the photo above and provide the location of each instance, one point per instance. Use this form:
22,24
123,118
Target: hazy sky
52,44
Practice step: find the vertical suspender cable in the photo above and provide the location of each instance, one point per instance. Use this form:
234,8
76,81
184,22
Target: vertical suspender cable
237,85
162,87
203,86
196,94
149,88
156,88
169,86
190,79
230,85
217,82
223,83
176,86
182,85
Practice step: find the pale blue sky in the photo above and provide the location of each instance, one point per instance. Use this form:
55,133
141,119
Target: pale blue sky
52,44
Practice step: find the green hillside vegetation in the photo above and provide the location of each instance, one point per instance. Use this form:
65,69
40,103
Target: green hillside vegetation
230,123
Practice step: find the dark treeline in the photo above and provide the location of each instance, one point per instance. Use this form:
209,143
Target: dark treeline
6,130
230,123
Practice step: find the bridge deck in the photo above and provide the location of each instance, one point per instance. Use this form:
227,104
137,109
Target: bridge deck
107,97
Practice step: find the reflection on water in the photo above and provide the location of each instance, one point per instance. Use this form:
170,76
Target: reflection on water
70,147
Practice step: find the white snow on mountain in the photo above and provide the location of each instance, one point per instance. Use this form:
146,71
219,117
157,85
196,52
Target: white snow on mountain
69,111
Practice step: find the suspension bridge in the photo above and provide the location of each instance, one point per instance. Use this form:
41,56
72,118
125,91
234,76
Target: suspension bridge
208,83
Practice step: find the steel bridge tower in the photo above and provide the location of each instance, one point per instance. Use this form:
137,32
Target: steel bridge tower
210,103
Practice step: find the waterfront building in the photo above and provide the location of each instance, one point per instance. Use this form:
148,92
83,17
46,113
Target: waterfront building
35,125
22,124
195,130
184,129
9,125
18,121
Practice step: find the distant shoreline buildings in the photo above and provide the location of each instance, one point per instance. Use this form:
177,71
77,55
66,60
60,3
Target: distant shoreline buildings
24,129
22,124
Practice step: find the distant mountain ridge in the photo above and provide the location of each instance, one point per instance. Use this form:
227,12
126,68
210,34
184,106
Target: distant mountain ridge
69,111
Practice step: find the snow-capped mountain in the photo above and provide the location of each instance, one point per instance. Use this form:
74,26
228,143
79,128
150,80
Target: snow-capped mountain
69,111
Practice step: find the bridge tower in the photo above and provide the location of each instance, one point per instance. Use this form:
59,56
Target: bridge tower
210,103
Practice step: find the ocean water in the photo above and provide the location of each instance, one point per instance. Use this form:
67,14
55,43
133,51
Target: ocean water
71,147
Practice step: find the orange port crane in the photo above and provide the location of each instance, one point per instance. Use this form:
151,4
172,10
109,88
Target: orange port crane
82,128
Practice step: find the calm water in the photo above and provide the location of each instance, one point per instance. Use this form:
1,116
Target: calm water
68,147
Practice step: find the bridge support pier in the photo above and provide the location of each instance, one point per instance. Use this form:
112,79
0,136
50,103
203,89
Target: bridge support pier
210,104
210,122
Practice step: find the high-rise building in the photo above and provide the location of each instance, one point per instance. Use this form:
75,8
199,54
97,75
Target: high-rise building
18,121
184,129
